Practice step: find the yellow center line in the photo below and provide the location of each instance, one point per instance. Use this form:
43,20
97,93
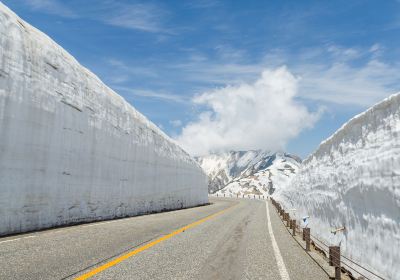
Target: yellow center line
148,245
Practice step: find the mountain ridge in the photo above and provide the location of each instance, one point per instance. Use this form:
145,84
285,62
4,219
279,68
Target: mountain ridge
243,172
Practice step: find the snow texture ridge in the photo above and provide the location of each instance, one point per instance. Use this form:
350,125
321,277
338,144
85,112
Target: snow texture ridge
71,149
353,180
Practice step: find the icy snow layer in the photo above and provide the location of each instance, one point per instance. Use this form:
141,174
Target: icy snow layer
71,149
353,180
248,172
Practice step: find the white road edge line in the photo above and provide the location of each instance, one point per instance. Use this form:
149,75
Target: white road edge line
15,239
278,257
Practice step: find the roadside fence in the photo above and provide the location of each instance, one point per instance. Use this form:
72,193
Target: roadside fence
332,254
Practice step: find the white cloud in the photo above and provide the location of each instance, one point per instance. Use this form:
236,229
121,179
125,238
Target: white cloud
375,47
144,17
150,94
216,72
54,7
176,123
358,77
343,83
343,54
127,70
227,52
262,115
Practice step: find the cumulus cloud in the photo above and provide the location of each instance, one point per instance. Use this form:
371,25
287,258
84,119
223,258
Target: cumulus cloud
263,114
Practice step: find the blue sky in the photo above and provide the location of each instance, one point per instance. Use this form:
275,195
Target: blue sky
178,62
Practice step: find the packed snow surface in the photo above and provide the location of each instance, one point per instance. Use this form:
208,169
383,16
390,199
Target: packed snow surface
71,149
353,180
254,172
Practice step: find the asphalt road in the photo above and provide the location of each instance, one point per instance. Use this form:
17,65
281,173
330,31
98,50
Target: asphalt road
229,239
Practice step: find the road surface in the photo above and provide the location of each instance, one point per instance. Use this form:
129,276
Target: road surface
229,239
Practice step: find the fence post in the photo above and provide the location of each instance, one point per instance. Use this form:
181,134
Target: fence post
294,227
306,232
217,195
287,219
224,195
334,251
290,223
304,236
334,260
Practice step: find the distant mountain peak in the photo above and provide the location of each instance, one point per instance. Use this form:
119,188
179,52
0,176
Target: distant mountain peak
248,172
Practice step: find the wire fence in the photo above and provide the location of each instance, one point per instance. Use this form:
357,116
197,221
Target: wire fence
351,268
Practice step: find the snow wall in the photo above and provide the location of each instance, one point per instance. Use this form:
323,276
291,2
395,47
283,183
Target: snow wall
71,149
353,180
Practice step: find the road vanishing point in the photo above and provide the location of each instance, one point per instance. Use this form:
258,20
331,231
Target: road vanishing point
228,239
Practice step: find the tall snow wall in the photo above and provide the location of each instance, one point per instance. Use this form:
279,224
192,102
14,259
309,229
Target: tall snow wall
71,149
353,180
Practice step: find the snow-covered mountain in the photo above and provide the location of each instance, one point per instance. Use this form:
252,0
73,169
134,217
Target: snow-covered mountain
353,180
248,172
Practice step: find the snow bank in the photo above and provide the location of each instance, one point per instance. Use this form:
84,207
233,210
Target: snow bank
353,180
71,149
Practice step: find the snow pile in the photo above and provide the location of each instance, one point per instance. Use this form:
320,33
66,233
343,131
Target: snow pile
71,149
353,180
248,172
